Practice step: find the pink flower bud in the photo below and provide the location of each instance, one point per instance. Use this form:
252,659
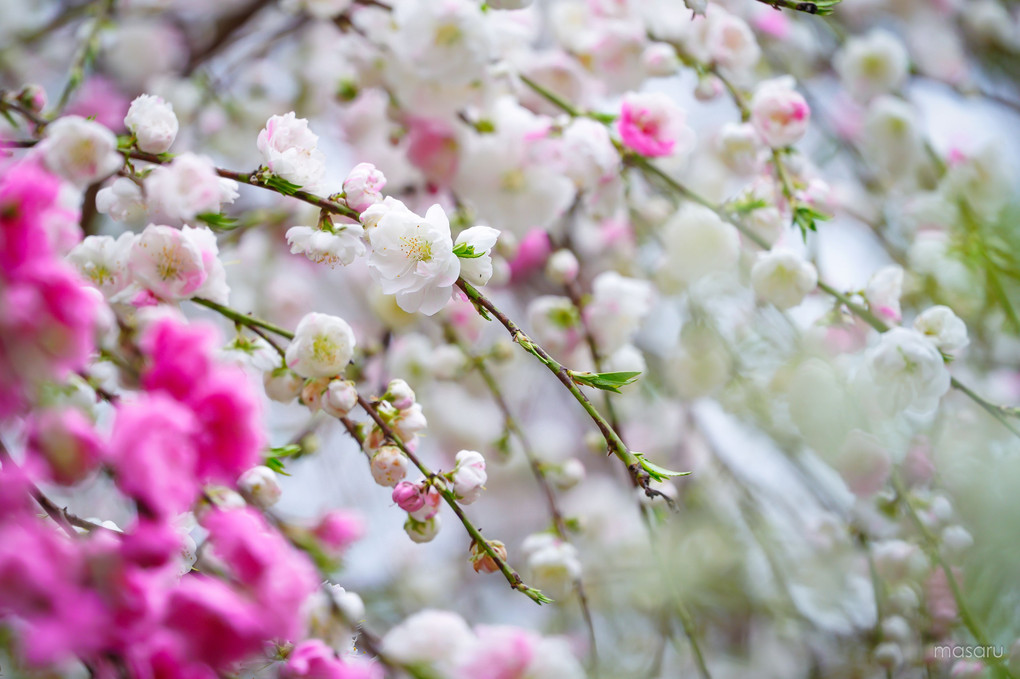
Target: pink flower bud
400,394
338,529
340,398
779,112
531,253
408,496
469,477
432,500
363,186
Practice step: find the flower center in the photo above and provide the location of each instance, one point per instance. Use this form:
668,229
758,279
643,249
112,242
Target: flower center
416,248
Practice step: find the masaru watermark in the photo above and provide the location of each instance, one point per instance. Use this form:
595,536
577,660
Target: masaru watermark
951,652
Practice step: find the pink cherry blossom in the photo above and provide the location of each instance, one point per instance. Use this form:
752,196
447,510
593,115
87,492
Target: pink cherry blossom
653,125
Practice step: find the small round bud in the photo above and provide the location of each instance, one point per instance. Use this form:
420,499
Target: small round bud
482,562
562,267
312,392
282,385
340,398
400,394
32,97
660,60
363,187
889,655
956,542
567,474
408,496
469,476
337,530
260,486
422,531
389,466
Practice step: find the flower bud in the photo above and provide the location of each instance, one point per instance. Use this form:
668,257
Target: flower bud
410,422
400,394
432,500
340,398
562,267
408,496
282,385
337,530
260,486
153,123
312,392
566,475
553,563
32,97
480,559
389,466
422,531
363,186
469,476
708,88
660,60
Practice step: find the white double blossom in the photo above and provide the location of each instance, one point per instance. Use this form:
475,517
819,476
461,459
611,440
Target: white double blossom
290,149
152,121
412,256
174,264
186,188
906,372
81,151
341,245
323,345
783,278
943,327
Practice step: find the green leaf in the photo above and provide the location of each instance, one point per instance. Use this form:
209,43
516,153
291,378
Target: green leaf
218,221
655,471
465,251
289,450
805,216
276,464
748,204
281,185
605,381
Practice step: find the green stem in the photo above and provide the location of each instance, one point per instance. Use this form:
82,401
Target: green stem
243,319
85,54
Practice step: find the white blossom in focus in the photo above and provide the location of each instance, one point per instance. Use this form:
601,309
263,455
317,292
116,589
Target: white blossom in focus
103,261
153,123
290,150
323,345
481,240
342,245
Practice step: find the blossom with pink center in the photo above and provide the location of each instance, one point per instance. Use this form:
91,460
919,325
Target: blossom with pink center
779,113
433,149
532,253
652,125
363,186
290,150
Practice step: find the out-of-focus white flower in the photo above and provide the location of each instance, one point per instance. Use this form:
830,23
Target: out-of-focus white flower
290,150
783,278
728,40
342,245
566,474
779,113
81,151
322,346
892,140
104,261
590,157
617,308
697,243
863,462
122,200
389,466
553,563
448,361
363,186
740,147
441,41
153,123
660,60
261,486
175,264
562,267
906,372
412,257
555,322
478,240
469,476
186,188
883,292
872,64
943,327
435,639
